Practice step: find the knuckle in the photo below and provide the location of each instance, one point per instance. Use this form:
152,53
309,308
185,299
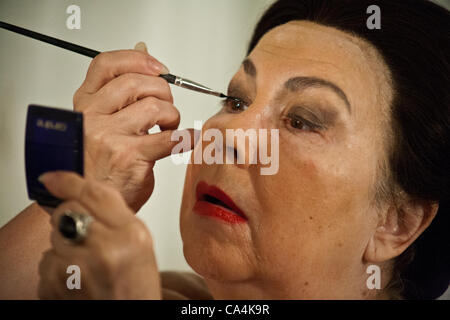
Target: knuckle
161,83
151,105
140,235
90,192
99,138
164,87
165,136
88,111
109,192
141,57
80,100
76,98
129,85
120,155
129,81
106,259
101,60
175,113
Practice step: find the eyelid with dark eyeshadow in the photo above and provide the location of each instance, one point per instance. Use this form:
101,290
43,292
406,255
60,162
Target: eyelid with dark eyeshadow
305,114
318,116
236,90
230,99
312,125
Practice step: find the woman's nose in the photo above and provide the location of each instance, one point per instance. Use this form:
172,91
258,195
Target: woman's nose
240,137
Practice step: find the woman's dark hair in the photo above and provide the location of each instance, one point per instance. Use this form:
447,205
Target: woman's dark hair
414,41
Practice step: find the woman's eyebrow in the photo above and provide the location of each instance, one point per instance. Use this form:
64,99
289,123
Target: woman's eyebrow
249,67
301,83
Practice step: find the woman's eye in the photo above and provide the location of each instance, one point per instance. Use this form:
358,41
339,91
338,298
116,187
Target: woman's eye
234,104
299,123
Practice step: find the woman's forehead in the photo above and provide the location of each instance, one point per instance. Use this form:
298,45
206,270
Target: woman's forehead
311,49
298,36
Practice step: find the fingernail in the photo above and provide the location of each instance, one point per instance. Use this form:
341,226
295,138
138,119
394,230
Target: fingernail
164,69
43,178
141,46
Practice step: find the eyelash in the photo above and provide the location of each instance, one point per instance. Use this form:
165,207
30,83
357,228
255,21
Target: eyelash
293,118
236,105
231,102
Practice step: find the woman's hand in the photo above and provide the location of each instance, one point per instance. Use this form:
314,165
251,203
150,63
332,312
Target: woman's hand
121,98
116,259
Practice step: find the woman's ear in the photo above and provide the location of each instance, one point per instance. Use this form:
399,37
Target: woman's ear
399,228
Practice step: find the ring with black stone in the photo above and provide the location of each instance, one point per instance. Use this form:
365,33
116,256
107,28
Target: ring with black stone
74,226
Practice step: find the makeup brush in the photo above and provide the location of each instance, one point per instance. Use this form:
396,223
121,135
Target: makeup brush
170,78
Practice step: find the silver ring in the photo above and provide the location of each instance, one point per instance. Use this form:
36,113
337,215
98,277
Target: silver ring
74,226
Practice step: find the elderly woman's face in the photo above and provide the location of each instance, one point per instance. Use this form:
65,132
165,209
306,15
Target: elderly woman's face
308,225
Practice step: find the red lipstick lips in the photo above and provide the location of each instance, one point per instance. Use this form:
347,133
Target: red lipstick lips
213,202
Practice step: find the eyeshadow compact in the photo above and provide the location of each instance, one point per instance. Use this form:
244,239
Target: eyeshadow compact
53,141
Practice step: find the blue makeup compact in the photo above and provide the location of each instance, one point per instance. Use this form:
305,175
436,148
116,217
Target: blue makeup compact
53,141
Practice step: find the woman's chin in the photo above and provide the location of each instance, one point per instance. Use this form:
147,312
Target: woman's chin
215,248
214,260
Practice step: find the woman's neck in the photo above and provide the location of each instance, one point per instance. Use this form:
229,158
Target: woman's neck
262,290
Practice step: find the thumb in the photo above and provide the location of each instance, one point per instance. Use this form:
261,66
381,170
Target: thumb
159,145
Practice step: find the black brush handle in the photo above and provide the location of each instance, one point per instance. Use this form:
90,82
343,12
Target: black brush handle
64,44
54,41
